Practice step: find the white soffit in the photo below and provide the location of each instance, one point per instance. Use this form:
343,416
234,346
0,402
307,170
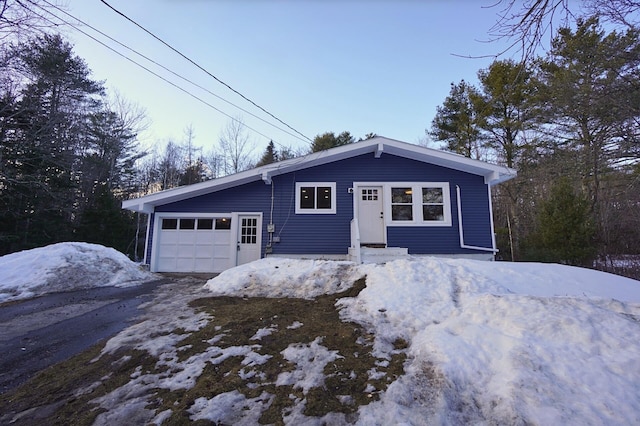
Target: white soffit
379,146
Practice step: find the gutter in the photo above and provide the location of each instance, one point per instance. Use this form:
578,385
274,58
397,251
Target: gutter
460,228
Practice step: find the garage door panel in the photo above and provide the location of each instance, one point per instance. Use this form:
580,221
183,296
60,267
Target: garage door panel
199,248
203,265
204,237
220,264
168,251
169,237
184,265
222,237
167,264
187,237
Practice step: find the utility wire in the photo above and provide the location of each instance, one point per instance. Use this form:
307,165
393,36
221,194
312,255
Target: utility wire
161,66
141,66
202,69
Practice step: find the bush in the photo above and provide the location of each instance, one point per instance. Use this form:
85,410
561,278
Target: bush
564,230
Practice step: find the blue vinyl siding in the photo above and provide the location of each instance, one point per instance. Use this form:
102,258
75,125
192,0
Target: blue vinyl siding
253,197
330,233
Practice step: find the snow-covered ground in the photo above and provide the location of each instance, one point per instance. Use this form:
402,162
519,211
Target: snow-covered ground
488,342
64,267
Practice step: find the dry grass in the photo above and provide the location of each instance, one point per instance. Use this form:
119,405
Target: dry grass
348,385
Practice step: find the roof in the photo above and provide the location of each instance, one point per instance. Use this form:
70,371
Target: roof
493,174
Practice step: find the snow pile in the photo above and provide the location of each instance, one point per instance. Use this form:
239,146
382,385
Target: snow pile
63,267
504,342
278,277
486,343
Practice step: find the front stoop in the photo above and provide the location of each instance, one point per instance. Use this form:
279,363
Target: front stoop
383,255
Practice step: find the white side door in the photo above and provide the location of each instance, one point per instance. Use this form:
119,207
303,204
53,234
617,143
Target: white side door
371,215
249,238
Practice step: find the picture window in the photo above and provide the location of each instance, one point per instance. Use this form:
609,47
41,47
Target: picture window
420,204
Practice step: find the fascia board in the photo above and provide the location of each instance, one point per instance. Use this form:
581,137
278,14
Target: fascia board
147,202
379,145
492,173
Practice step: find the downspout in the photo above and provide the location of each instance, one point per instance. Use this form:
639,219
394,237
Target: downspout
273,198
146,260
493,230
460,228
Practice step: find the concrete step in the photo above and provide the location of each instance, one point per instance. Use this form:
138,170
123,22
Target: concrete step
382,255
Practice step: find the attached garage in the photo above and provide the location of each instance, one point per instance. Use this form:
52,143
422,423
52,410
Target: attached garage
380,193
205,242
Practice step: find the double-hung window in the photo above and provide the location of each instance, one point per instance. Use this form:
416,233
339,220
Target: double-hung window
419,204
315,197
402,203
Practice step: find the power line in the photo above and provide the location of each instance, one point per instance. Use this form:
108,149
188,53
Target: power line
202,69
159,65
144,68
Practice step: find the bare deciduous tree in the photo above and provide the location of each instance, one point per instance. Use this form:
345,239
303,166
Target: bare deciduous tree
24,19
526,24
235,147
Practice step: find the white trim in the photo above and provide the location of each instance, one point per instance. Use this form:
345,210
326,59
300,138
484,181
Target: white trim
356,192
235,231
379,150
157,228
356,210
315,210
461,229
378,146
493,231
235,217
355,252
473,256
311,256
146,240
416,204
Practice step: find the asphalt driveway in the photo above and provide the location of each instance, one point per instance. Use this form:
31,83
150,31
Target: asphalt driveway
40,332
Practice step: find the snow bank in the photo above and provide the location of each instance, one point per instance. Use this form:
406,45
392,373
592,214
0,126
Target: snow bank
504,343
278,277
65,266
487,343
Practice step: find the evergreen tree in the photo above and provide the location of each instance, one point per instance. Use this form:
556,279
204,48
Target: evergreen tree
458,121
590,86
507,107
329,140
66,160
565,231
40,150
270,155
193,173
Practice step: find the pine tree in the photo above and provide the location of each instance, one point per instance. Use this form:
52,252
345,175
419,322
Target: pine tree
329,140
270,155
458,121
564,229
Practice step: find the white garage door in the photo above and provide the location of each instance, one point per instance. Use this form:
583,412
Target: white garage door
194,244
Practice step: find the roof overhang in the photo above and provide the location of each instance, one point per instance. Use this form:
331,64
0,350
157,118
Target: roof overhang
493,174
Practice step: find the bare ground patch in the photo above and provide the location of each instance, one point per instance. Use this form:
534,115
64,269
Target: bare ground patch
67,392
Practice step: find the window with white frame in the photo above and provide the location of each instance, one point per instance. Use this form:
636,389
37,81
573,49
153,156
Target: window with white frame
402,203
315,197
419,203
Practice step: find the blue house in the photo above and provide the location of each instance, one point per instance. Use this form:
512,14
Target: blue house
375,197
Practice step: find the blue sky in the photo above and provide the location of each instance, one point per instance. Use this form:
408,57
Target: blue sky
363,66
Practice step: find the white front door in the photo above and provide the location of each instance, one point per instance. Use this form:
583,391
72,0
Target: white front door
249,236
371,215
